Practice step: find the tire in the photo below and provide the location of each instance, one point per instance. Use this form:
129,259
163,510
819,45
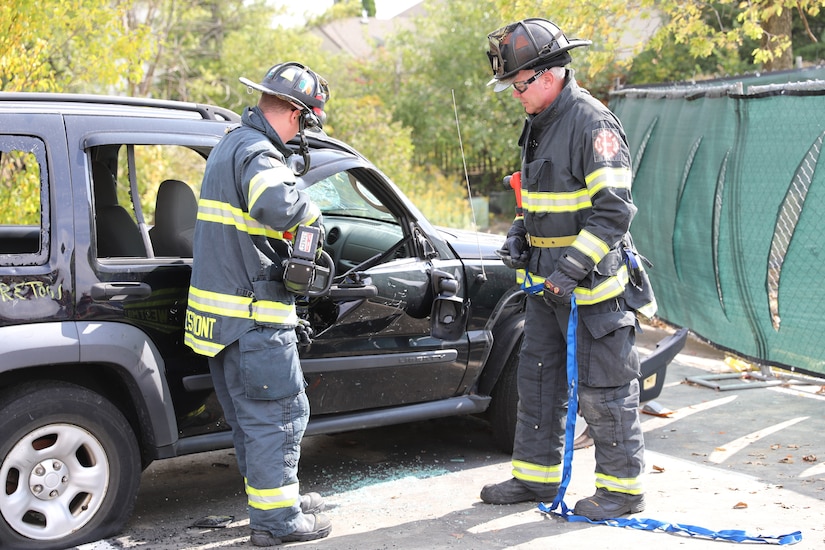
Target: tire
69,464
503,410
504,405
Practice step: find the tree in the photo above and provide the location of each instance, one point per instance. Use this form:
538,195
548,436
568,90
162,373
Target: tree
703,27
443,57
70,45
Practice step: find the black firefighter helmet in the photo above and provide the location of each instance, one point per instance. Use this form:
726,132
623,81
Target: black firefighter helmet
299,85
532,43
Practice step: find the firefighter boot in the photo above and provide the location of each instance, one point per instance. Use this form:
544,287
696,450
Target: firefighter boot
312,503
310,527
513,491
609,504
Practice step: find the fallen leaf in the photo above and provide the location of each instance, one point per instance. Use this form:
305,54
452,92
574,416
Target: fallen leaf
658,468
740,506
787,460
793,446
720,449
457,535
775,446
809,458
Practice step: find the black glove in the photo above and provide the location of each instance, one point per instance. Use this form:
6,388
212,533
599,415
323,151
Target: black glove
558,288
304,332
515,252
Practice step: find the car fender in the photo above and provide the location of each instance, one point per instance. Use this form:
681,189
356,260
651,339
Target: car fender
118,345
506,326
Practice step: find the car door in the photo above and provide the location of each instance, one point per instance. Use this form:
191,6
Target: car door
378,350
134,274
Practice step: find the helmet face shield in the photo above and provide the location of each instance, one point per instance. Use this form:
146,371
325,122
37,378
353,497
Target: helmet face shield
494,51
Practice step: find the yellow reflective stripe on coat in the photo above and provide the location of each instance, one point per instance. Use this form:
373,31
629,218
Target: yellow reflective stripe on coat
242,307
591,246
649,309
227,305
526,471
610,288
534,201
270,499
265,179
226,214
630,485
616,178
279,313
202,347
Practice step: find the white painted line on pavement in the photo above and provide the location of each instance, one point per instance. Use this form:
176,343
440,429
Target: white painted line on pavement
727,450
684,412
817,470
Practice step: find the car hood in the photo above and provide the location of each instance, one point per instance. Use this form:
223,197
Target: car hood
472,244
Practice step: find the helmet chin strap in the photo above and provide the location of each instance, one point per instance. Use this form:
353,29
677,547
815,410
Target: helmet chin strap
304,148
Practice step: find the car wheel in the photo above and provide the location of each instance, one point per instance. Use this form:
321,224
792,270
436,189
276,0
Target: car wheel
503,409
69,466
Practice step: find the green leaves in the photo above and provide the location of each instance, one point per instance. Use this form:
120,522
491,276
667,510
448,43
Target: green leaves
69,45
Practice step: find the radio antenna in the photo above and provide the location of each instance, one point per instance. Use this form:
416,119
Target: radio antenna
483,276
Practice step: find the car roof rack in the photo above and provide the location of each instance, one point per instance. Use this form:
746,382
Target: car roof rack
207,112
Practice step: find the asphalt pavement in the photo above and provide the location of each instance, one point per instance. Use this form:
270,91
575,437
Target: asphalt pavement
751,459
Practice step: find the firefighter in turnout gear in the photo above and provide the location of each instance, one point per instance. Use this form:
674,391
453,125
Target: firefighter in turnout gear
571,239
241,316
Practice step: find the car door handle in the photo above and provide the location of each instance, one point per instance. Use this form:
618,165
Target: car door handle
120,291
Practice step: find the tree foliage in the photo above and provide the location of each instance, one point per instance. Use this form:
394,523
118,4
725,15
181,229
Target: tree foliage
422,96
725,25
70,45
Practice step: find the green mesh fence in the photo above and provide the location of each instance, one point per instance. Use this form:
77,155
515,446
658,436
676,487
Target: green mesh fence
732,212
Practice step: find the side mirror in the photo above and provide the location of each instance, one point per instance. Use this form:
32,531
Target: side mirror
448,317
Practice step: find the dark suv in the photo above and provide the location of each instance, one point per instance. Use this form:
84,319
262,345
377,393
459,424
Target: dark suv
98,198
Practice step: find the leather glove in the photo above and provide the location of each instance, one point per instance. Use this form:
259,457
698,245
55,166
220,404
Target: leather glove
558,288
304,332
515,252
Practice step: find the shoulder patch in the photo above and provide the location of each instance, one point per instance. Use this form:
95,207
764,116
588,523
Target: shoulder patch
606,144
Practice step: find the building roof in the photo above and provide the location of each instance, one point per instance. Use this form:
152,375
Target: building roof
358,37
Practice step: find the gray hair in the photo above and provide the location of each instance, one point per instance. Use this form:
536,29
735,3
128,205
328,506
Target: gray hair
557,72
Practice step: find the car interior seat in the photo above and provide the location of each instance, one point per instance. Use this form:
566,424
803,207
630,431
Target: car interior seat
117,233
176,209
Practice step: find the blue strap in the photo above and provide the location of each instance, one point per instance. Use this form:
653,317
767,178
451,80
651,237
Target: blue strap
643,524
572,408
528,286
730,535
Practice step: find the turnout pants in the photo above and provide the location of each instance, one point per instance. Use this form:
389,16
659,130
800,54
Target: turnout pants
260,385
608,394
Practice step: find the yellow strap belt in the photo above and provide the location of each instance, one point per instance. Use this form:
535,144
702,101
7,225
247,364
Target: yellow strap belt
551,242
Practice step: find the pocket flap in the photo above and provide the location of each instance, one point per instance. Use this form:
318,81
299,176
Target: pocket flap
602,324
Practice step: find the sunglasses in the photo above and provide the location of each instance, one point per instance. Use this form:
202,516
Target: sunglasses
522,85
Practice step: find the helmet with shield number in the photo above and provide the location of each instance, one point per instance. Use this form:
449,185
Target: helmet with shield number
527,44
299,85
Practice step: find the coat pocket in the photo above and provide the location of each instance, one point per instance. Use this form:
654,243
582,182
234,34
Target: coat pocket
270,367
